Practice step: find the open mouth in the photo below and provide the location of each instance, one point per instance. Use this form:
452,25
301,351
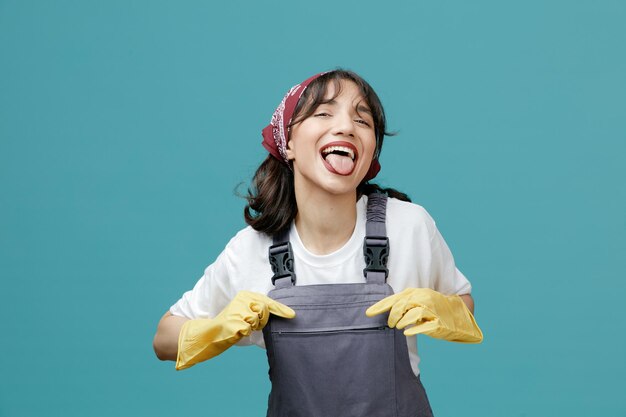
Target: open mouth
339,157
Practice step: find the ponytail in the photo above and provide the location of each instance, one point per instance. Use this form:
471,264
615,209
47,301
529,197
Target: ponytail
271,198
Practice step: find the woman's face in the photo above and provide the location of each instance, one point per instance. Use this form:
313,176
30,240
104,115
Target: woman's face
333,148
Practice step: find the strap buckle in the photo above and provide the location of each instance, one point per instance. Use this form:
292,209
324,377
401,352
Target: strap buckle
376,252
281,261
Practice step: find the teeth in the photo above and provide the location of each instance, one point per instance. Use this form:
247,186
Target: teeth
330,149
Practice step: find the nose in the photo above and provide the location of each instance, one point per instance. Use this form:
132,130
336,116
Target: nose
344,125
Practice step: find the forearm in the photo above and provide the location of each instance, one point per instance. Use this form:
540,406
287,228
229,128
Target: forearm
165,341
469,302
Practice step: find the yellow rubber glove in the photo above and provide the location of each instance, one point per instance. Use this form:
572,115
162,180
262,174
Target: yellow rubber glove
430,312
202,339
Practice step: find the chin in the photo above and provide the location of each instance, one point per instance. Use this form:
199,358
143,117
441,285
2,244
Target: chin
338,185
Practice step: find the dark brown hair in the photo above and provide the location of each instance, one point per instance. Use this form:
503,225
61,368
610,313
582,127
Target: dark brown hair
271,197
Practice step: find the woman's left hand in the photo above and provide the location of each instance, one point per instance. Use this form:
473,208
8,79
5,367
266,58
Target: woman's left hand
429,312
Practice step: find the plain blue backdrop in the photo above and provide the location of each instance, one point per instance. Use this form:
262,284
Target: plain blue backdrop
125,127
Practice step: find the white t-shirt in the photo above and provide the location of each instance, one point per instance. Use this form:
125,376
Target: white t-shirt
418,258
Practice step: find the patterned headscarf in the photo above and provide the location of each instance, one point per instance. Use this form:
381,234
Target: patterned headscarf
276,134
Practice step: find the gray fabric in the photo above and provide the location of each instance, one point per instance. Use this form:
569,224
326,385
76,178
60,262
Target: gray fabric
375,230
333,360
376,213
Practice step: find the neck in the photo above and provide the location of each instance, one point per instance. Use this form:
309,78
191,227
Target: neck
325,221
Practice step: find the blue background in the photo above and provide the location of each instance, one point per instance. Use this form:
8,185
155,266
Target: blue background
125,126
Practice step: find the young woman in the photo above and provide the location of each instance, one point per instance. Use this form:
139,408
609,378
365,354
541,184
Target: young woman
330,269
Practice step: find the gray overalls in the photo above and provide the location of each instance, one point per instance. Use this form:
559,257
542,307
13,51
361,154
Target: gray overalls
331,360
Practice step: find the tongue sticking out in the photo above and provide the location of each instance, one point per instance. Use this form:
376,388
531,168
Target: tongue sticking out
342,164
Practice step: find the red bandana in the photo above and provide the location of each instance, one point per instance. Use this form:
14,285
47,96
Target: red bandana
276,134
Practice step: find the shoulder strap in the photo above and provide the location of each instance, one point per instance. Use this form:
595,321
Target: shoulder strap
281,260
376,242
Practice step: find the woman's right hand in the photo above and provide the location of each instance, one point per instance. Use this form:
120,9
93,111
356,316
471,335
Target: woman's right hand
202,339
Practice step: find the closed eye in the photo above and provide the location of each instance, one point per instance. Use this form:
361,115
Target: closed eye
363,122
321,114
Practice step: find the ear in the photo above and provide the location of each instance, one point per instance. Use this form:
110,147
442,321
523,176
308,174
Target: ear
289,152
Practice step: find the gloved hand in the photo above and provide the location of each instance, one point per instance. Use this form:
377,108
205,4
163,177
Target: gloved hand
202,339
430,312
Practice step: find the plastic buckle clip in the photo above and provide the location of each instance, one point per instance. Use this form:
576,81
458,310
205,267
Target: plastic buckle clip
376,252
281,261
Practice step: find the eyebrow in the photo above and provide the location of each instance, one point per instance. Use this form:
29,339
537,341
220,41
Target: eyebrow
364,109
360,108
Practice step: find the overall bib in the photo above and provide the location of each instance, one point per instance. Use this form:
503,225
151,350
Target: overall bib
331,360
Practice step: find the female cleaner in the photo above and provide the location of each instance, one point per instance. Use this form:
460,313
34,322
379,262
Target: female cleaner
334,275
